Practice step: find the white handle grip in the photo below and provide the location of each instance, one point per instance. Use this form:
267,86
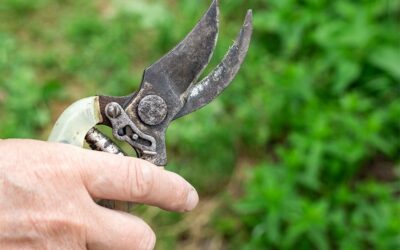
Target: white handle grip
74,123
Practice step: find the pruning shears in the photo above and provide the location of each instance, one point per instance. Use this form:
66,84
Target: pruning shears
168,91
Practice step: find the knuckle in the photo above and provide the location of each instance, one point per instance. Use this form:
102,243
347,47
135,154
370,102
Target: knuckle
141,180
56,225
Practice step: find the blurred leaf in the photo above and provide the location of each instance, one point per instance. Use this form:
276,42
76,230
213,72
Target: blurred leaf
387,59
347,72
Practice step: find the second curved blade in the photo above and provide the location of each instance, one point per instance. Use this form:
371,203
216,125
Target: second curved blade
211,86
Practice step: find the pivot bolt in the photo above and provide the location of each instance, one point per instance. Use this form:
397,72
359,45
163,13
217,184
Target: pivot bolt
152,110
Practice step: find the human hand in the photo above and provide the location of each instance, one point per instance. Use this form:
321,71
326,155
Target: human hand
47,192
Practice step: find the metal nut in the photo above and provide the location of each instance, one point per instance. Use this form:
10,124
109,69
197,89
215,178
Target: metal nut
113,111
152,110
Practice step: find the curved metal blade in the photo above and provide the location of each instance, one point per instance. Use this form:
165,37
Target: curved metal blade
211,86
183,64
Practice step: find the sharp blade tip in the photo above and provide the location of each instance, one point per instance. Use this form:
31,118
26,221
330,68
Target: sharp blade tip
215,6
213,13
249,17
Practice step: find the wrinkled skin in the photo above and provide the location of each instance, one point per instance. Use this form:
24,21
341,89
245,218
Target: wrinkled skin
47,192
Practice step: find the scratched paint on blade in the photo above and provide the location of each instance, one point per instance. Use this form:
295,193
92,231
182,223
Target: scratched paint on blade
211,86
198,89
218,73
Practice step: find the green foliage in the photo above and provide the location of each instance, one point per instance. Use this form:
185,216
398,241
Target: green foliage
316,106
280,212
22,7
330,92
23,102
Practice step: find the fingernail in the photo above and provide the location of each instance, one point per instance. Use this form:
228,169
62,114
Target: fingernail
192,200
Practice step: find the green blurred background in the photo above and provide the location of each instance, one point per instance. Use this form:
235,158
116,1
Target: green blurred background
302,151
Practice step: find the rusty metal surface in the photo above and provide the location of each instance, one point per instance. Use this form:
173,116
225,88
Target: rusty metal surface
169,89
124,129
212,85
99,142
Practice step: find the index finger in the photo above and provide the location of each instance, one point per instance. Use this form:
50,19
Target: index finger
113,177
